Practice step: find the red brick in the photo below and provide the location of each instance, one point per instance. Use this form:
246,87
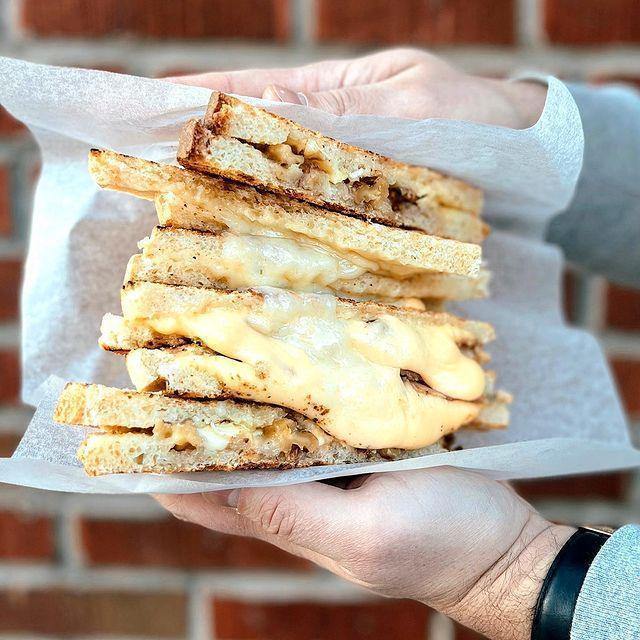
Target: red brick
252,19
177,544
610,486
586,22
9,375
388,619
8,444
623,308
26,537
10,281
627,375
66,612
9,125
462,633
6,224
615,78
416,21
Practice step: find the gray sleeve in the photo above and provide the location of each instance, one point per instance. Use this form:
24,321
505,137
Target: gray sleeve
608,606
600,230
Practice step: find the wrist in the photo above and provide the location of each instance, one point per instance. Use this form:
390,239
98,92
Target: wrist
501,603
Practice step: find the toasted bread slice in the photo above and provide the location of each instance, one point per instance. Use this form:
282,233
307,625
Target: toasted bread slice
369,198
403,373
172,371
224,259
209,201
147,299
153,433
245,143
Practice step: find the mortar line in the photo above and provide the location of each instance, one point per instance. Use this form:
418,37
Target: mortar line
439,627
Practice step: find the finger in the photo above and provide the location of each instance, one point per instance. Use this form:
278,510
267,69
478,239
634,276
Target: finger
306,520
311,517
276,93
336,101
364,99
210,510
252,82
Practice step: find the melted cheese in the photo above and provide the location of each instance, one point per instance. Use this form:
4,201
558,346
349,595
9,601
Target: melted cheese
250,261
296,352
265,224
277,437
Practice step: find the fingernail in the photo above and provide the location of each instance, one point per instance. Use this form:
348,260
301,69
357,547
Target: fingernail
233,497
282,94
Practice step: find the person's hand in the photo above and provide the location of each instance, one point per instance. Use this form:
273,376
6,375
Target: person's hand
454,540
407,83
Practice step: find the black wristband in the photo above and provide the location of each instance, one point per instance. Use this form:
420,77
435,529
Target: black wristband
556,603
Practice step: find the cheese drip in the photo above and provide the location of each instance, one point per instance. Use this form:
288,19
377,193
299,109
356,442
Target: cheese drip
296,352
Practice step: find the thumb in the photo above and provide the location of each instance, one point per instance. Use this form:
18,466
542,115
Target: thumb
312,516
336,101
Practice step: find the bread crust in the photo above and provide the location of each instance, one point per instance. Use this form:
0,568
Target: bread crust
198,202
136,453
229,116
131,442
163,260
235,159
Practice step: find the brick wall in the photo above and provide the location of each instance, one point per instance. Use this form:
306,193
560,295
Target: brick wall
86,566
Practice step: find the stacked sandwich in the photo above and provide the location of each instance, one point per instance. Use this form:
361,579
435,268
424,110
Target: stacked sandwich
287,311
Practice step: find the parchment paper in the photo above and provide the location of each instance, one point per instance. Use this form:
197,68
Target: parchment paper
566,417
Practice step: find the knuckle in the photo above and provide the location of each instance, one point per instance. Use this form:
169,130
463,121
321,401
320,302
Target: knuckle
341,101
336,101
275,515
410,53
176,507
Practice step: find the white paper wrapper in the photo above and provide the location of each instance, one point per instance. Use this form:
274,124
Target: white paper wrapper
566,417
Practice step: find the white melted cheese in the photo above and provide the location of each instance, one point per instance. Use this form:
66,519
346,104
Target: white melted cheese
266,225
279,262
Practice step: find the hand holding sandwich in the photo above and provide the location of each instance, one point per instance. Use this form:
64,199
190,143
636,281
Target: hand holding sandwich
406,83
454,540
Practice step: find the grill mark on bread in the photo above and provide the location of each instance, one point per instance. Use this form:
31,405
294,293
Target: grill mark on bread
195,152
424,251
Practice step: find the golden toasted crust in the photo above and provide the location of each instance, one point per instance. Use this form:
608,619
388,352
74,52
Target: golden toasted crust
139,453
201,259
153,433
192,200
229,116
385,192
95,405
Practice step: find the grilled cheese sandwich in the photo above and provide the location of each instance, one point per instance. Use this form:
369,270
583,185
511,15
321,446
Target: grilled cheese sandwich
339,363
289,318
244,143
226,259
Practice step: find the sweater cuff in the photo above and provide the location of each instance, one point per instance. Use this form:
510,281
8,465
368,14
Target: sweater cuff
608,606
